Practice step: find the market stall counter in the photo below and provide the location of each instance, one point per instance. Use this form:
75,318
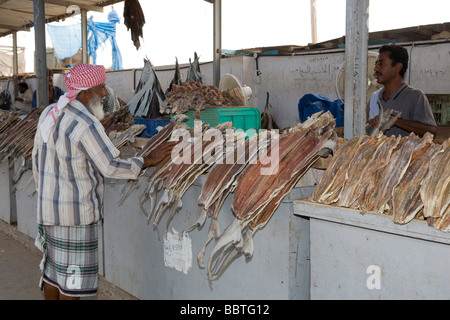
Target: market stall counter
154,264
368,256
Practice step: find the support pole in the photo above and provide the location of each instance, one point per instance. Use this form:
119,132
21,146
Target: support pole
84,39
217,41
41,54
15,65
356,46
313,22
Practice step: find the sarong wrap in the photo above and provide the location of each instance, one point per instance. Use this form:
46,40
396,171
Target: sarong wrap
70,258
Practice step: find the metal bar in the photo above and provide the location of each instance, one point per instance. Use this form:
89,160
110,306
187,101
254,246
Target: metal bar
15,28
313,21
15,65
84,39
356,46
217,41
63,3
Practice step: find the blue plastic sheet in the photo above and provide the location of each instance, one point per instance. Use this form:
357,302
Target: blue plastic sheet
99,32
66,40
312,103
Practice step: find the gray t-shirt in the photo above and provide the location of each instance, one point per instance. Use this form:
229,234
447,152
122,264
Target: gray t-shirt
412,103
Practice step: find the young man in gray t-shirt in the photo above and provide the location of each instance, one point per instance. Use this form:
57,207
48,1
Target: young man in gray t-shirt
417,115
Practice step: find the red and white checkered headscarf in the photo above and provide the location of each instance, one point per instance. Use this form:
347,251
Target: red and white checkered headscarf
80,77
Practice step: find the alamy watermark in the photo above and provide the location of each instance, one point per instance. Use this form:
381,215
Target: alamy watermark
262,148
374,280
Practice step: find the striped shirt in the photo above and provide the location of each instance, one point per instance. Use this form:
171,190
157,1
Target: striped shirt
69,169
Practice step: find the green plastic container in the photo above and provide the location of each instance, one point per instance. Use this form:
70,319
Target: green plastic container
242,118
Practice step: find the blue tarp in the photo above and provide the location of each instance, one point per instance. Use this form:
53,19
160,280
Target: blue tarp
99,32
67,39
312,103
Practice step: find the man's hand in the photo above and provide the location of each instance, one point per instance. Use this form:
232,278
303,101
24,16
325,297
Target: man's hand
157,155
374,122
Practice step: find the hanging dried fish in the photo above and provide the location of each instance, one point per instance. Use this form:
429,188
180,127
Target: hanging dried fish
267,119
257,196
181,176
149,96
134,19
176,80
194,73
163,135
220,182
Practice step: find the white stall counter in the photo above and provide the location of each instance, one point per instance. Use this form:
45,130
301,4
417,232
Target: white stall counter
368,256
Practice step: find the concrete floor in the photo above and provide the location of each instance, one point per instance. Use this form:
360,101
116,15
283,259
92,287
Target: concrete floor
19,270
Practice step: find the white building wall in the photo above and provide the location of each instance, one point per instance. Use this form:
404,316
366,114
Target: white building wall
288,78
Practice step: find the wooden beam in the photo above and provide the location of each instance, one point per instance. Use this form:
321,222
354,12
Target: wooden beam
66,4
15,28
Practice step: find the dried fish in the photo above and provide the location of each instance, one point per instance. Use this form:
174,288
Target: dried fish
17,136
442,223
392,173
163,135
267,119
220,182
380,158
406,201
407,178
356,166
298,149
117,121
334,176
194,73
197,96
176,80
434,190
385,121
134,19
128,135
149,96
183,175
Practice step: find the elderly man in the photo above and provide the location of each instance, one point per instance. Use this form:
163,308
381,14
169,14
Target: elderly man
72,155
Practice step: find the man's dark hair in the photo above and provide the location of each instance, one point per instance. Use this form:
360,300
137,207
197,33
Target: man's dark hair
397,54
23,85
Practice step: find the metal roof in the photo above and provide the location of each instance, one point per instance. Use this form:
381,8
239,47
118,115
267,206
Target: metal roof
18,15
414,34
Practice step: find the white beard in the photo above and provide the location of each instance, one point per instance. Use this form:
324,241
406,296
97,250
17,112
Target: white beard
96,107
